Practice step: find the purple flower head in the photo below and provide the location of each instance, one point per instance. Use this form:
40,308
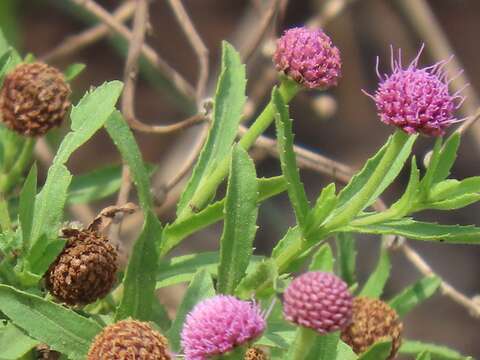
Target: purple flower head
309,57
318,300
218,324
416,99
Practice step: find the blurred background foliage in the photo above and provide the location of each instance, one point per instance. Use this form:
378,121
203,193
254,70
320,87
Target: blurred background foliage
340,124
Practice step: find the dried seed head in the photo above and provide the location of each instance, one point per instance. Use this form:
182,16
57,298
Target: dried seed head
373,321
129,340
309,57
255,353
34,99
218,324
318,300
416,99
85,270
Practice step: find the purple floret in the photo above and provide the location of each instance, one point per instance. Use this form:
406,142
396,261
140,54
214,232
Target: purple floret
318,300
309,57
416,100
218,324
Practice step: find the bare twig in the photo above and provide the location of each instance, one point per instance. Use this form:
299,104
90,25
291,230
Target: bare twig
180,84
90,36
260,30
197,44
447,289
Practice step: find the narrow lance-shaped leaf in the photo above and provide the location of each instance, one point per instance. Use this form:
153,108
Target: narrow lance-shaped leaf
346,256
380,350
240,226
377,280
438,352
140,276
27,204
15,344
418,230
227,112
415,294
251,285
124,140
447,157
267,187
324,205
87,117
424,356
200,288
62,329
323,259
324,348
296,191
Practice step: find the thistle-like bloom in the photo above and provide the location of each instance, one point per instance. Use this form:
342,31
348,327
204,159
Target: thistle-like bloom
309,57
416,99
318,300
218,324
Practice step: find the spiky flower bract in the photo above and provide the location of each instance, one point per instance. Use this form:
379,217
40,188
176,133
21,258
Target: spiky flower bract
309,57
219,324
416,100
318,300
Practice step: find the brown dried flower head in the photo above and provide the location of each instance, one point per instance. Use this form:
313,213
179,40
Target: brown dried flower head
255,353
85,270
373,321
129,340
34,99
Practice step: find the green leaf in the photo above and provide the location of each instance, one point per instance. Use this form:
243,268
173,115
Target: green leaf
415,294
200,288
454,234
183,268
140,276
227,112
97,184
380,350
377,280
437,352
236,244
42,254
361,178
447,157
49,203
27,205
324,205
173,234
346,256
62,329
453,203
324,348
455,188
427,181
73,71
424,356
87,117
345,352
296,191
264,272
323,259
14,343
124,140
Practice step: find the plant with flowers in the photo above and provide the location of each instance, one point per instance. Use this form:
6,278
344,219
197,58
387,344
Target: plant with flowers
62,293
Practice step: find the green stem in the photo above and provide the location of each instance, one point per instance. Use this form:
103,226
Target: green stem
304,340
7,181
431,169
288,90
5,221
353,207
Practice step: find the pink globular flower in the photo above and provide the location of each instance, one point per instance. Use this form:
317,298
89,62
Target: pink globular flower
318,300
309,57
218,324
416,100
